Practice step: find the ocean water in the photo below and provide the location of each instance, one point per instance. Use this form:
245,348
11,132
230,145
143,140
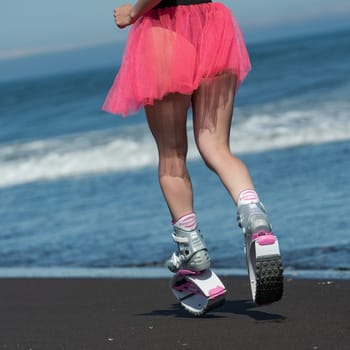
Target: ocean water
79,191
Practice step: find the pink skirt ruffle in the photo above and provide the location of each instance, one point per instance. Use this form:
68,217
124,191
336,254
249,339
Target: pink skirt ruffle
172,50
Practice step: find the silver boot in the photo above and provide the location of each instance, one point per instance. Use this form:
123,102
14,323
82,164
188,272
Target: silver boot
192,251
262,254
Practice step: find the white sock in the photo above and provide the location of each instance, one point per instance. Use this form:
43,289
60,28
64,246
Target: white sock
247,197
187,222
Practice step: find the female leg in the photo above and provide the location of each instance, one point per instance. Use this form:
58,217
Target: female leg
167,122
212,116
212,113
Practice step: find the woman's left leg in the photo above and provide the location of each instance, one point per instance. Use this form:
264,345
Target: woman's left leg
167,122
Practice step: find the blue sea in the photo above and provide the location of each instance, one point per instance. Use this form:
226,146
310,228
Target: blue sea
79,194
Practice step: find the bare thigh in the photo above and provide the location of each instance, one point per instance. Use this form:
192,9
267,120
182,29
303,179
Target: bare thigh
212,114
167,122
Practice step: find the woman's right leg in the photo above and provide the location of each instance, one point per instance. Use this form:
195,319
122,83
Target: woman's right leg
212,115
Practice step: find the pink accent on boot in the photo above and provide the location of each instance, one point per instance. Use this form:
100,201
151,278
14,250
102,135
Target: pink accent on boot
264,238
188,287
215,292
187,272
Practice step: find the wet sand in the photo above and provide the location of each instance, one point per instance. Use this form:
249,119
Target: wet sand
100,314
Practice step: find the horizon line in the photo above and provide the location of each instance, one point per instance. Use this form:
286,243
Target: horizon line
38,51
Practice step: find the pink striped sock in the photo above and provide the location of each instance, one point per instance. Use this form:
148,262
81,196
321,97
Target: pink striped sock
187,222
248,196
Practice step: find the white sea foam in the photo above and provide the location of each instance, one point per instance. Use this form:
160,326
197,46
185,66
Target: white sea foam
133,148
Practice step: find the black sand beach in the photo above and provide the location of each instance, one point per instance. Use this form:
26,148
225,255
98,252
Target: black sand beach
100,314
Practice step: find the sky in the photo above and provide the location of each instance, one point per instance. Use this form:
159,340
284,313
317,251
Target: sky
37,26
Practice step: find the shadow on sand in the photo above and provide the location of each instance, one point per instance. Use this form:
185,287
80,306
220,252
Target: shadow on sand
231,307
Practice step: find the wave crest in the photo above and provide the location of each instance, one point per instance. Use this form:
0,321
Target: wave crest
133,148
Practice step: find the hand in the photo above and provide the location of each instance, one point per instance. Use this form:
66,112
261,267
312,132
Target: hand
122,17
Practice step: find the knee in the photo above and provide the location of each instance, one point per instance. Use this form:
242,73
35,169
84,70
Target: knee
214,154
209,157
172,155
208,161
172,165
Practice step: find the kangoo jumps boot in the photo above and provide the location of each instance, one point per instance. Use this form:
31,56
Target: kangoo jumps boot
194,284
192,252
262,254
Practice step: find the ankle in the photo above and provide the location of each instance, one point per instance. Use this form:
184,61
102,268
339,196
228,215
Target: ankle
247,197
186,222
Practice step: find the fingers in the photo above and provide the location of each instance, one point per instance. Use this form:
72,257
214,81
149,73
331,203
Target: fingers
122,16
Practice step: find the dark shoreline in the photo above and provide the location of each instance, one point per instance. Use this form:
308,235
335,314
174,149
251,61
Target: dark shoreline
98,314
152,272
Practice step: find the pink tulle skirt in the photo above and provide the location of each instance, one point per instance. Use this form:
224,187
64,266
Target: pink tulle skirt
172,50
